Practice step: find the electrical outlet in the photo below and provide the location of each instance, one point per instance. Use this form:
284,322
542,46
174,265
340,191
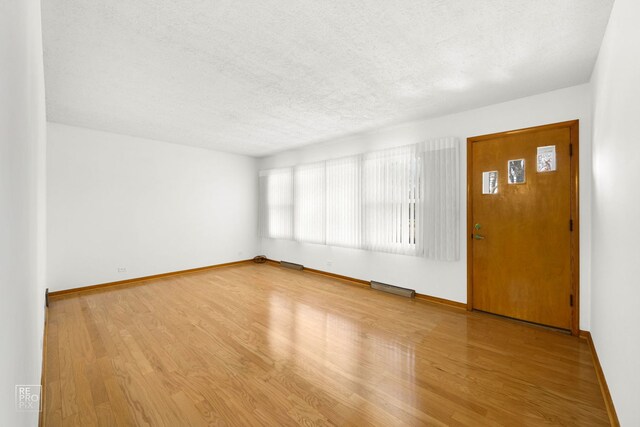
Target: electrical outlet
122,269
329,263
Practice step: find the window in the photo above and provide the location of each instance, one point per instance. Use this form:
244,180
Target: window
390,182
343,202
401,200
276,203
308,203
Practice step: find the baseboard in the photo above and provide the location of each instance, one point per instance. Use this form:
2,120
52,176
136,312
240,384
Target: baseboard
58,294
436,300
366,283
604,388
324,273
337,276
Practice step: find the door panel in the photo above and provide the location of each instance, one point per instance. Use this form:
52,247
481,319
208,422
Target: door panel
523,266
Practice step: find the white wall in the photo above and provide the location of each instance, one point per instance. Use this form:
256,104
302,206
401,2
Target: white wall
22,145
442,279
148,206
616,209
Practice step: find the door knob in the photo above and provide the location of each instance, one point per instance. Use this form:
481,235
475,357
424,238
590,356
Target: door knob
478,237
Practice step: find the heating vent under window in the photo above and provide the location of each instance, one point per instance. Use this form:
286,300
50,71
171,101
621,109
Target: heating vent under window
291,265
409,293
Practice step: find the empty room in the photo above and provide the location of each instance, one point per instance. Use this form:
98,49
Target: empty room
348,213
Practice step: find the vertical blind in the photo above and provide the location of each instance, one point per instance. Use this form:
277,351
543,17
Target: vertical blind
441,201
308,203
343,202
389,185
402,200
276,203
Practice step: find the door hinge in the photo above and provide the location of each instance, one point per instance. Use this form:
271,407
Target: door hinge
571,300
570,225
570,150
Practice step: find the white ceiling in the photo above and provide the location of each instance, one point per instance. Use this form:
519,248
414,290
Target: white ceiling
260,76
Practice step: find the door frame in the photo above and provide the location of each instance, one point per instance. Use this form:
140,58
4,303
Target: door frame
573,126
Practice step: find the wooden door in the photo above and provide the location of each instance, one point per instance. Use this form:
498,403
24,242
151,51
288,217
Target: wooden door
522,237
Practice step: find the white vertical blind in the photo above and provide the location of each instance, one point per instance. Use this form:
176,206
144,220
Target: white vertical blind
390,184
344,202
402,200
441,199
309,203
276,203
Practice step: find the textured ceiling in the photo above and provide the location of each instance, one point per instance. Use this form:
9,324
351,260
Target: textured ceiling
260,76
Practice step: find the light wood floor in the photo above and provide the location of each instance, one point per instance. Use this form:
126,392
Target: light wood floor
262,345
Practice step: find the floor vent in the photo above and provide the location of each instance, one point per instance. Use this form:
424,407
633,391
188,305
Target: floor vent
291,265
409,293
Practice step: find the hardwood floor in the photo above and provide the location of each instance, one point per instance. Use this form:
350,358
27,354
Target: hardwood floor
261,345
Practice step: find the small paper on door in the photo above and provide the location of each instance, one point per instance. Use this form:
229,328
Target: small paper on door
546,158
490,182
515,171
